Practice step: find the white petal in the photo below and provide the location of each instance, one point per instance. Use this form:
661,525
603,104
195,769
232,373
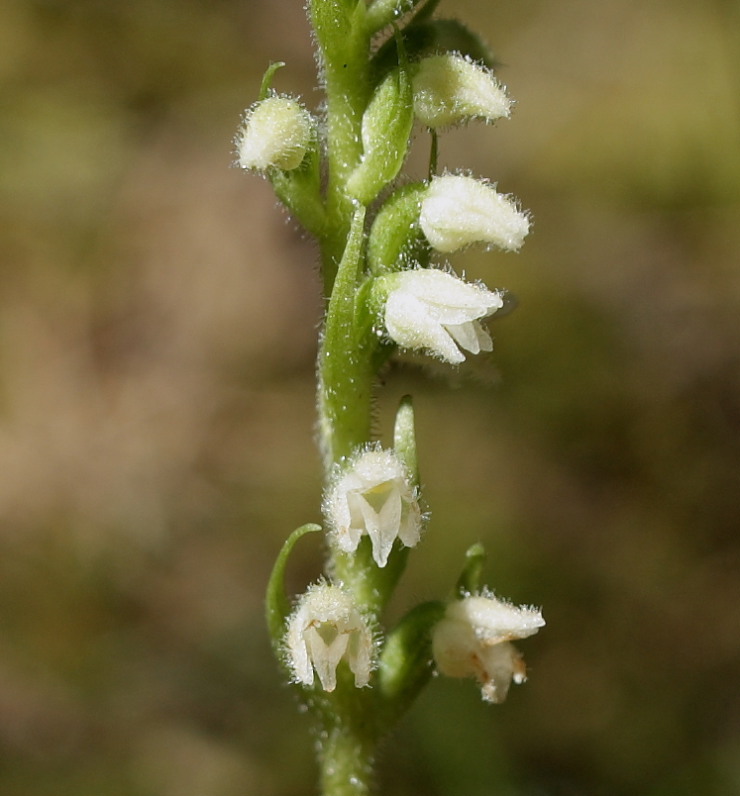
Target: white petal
454,646
388,527
471,336
299,659
495,620
500,664
410,529
359,653
410,324
449,293
326,657
370,519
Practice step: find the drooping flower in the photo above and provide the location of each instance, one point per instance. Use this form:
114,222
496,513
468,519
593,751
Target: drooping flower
473,640
435,311
373,495
326,627
276,133
457,211
450,89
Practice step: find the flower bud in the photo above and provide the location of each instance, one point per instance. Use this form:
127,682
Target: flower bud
276,132
450,89
374,495
326,627
435,311
457,211
472,640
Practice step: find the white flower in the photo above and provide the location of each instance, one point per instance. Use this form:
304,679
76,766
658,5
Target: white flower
457,211
374,496
437,312
276,132
450,89
326,627
472,640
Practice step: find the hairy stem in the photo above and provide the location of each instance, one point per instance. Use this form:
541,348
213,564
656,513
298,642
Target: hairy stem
344,46
346,764
345,373
346,745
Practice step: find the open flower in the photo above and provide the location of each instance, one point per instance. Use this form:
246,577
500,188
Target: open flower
326,627
435,311
450,89
374,495
473,640
276,132
457,211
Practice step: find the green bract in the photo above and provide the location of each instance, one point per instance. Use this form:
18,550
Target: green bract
383,12
395,239
386,126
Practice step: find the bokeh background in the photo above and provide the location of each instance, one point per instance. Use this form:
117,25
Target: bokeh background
158,320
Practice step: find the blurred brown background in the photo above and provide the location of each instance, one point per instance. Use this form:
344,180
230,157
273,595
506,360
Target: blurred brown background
158,320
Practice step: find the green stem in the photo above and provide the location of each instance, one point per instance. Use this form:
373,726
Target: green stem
347,734
433,154
345,370
344,43
347,737
346,764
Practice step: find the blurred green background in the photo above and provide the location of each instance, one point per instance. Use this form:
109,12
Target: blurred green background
158,319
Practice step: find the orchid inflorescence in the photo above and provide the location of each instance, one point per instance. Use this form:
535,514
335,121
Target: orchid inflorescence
385,66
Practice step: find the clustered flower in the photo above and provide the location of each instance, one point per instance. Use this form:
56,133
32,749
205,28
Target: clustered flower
429,309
